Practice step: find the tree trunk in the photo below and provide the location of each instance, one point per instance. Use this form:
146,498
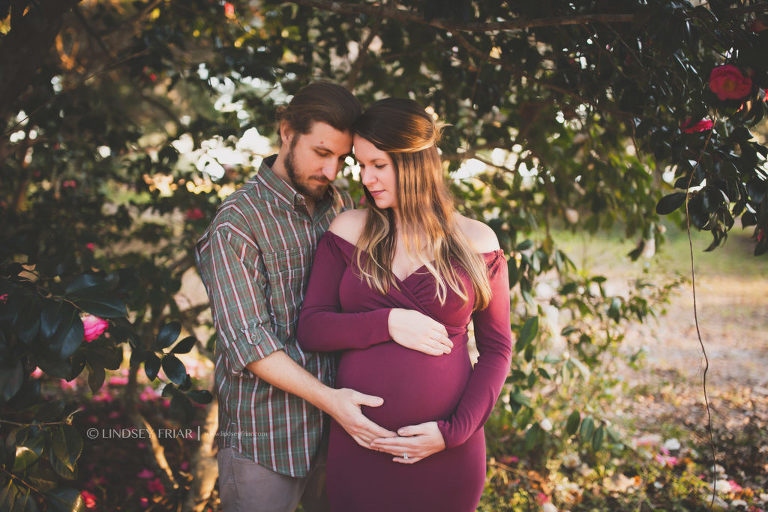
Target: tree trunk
203,465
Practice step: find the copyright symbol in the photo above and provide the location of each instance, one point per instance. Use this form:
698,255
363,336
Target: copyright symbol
92,433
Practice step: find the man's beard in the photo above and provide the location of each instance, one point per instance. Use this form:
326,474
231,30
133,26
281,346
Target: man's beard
300,183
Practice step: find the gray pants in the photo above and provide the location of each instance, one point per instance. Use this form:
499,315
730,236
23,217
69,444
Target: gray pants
245,486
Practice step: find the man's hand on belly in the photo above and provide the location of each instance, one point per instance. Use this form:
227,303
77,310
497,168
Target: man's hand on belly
344,406
413,443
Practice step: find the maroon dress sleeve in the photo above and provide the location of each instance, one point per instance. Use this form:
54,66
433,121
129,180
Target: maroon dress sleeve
493,337
322,325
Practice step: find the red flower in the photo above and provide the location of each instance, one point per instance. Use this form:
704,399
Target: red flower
195,214
94,326
757,26
3,298
89,499
153,77
229,10
701,126
69,184
729,83
90,246
156,486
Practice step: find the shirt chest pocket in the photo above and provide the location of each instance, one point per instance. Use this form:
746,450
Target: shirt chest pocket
287,275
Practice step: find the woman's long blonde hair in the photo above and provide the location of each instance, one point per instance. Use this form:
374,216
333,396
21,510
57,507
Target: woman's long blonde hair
427,216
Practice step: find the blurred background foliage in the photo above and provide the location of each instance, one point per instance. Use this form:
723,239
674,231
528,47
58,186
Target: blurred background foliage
124,125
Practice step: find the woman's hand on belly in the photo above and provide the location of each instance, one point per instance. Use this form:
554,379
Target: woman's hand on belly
417,331
413,443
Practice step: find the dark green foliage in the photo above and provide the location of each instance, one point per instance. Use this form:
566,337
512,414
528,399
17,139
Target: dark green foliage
577,122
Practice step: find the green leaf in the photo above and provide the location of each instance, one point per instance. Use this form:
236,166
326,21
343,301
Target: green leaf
8,495
597,438
524,246
85,282
670,203
68,336
184,346
50,318
29,447
572,425
103,307
65,499
200,396
519,398
28,325
587,429
11,380
527,333
151,365
174,369
96,376
66,448
614,310
167,335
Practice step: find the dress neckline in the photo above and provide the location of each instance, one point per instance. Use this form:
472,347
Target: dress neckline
485,255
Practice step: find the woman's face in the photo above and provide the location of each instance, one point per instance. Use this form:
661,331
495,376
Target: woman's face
377,173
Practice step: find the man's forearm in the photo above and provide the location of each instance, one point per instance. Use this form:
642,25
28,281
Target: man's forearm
281,371
344,405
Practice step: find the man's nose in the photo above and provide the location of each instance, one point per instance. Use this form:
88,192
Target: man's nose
330,169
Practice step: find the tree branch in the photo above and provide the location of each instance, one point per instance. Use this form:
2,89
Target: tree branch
395,13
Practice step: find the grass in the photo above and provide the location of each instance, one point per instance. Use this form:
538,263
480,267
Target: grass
606,252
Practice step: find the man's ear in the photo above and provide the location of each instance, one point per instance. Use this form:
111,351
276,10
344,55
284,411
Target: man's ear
286,133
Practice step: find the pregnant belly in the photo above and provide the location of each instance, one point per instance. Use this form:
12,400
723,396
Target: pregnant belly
415,387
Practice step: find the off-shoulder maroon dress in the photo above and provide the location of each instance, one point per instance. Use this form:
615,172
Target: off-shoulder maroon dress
341,313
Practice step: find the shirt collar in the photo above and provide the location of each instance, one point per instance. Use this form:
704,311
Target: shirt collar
284,191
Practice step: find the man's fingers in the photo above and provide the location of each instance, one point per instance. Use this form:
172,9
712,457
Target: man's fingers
375,431
369,400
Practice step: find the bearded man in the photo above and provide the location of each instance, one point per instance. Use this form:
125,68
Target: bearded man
255,260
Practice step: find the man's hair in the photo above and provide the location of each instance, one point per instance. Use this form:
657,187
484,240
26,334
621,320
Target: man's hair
322,101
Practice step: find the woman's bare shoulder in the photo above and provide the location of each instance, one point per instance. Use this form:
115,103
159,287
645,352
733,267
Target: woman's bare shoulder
479,234
349,225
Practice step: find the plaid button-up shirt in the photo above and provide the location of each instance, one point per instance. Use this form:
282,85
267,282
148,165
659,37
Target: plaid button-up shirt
255,260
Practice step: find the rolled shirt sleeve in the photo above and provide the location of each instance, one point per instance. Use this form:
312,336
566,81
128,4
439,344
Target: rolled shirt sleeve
233,273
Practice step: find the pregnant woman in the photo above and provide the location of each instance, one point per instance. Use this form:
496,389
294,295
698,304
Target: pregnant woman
393,288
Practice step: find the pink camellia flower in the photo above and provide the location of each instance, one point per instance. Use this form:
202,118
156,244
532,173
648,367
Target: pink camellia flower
156,486
118,380
729,83
688,127
195,214
90,246
89,499
734,486
666,461
145,474
144,502
542,498
94,326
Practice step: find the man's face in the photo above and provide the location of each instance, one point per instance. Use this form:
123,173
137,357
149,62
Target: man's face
314,158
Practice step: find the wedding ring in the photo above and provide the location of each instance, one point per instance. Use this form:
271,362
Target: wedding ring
405,455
